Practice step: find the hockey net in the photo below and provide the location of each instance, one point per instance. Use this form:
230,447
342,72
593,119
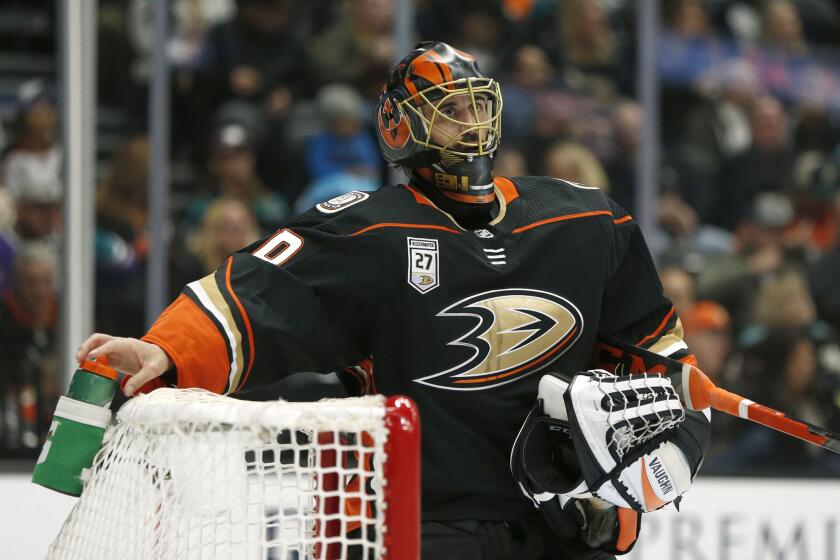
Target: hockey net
189,474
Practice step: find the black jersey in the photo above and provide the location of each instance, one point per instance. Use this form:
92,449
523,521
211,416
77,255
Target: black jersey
461,321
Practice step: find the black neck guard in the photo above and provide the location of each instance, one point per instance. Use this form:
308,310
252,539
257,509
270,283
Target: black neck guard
469,215
461,178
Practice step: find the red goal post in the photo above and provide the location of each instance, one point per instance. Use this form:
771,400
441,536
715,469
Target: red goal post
189,474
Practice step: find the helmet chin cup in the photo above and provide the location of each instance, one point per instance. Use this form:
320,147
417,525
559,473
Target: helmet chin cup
469,179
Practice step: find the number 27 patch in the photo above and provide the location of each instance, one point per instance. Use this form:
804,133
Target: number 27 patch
423,272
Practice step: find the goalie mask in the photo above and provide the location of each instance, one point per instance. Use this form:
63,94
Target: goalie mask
440,117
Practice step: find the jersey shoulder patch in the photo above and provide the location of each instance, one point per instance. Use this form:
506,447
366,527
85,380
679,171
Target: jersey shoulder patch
342,202
355,211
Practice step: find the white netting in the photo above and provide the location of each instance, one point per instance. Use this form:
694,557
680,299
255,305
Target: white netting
186,474
640,407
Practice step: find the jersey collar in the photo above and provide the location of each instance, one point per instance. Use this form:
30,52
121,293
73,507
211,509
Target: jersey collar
506,194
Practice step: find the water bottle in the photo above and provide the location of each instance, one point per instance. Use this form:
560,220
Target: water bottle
77,428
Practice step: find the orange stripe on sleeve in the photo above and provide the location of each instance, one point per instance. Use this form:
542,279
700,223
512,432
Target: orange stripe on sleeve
410,226
562,218
247,323
194,345
659,328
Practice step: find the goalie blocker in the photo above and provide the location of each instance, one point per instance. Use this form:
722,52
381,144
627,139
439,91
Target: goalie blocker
595,453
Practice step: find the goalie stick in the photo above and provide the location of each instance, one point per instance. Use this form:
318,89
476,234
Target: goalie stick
698,392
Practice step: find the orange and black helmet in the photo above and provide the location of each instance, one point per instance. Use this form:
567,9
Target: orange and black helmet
408,108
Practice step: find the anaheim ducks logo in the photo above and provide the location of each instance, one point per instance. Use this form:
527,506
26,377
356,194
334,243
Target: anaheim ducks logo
519,332
393,127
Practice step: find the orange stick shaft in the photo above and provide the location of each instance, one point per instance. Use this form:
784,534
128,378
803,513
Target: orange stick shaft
698,392
736,405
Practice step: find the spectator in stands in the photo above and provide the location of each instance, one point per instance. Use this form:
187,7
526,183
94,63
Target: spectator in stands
711,124
759,252
511,162
718,125
590,52
708,334
35,213
344,145
191,22
678,285
686,23
227,225
784,301
122,62
687,18
532,68
126,41
814,127
781,370
574,162
28,372
358,48
256,58
781,27
532,75
7,251
767,166
621,167
824,273
232,173
482,32
121,200
35,150
816,184
542,109
680,236
344,155
122,238
673,214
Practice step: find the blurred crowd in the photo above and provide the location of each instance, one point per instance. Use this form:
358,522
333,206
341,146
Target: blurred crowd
272,112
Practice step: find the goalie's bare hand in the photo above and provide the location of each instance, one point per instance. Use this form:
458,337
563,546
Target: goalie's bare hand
142,360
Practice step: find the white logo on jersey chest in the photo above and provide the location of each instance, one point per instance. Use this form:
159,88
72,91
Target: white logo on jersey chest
423,264
496,256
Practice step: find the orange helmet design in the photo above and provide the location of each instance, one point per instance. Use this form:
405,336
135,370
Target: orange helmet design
394,130
409,111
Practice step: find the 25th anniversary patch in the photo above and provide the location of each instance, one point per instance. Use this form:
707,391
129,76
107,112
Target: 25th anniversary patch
341,202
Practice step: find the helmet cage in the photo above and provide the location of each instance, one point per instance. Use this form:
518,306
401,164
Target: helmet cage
486,125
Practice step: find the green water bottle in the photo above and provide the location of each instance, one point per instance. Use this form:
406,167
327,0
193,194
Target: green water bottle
78,426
